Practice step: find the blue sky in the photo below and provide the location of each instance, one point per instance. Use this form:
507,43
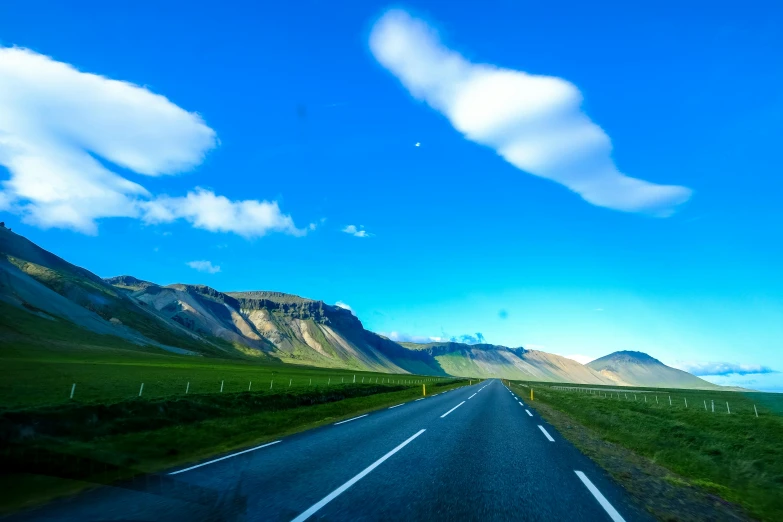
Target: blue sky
249,138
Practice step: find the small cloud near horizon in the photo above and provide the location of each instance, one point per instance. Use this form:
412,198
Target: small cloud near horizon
204,266
722,368
356,231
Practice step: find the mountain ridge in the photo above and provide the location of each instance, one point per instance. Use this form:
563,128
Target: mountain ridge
264,326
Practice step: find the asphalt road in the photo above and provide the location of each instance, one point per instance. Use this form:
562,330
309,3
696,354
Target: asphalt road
474,453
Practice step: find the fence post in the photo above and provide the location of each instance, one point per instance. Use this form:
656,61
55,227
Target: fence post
712,401
354,378
757,411
727,407
705,405
249,385
187,388
289,382
656,399
686,402
221,386
73,389
141,389
670,400
271,383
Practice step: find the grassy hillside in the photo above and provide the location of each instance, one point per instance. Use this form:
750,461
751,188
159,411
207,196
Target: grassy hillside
736,456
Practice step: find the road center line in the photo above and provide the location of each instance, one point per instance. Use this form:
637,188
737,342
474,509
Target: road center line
613,514
520,403
548,436
337,492
472,396
392,407
419,399
223,458
530,414
349,420
452,409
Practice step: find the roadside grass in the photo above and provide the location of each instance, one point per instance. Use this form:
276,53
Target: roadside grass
53,446
736,456
35,375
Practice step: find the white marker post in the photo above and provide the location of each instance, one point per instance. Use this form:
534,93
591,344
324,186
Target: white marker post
221,386
329,382
187,388
141,389
757,411
289,382
727,407
73,389
713,405
686,402
656,399
705,405
670,400
271,383
249,385
354,377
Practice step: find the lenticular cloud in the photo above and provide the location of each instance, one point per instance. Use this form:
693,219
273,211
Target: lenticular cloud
533,122
63,132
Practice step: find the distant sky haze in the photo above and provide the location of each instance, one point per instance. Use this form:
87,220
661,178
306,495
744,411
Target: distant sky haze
573,177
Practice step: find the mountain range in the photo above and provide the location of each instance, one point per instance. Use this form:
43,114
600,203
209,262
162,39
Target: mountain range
196,320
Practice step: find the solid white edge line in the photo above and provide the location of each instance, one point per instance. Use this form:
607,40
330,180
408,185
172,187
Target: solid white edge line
528,412
349,420
472,396
613,514
548,436
419,399
337,492
452,409
392,407
223,458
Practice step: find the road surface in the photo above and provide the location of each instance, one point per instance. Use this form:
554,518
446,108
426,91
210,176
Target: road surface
474,453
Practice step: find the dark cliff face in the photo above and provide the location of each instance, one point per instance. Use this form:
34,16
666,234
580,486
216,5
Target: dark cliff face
298,308
445,348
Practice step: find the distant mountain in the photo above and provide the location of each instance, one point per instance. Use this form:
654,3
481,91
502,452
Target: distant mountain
489,360
639,369
196,320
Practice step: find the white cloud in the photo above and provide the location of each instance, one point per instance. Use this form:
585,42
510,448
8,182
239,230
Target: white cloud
722,368
57,122
203,209
408,338
204,266
534,122
344,306
356,231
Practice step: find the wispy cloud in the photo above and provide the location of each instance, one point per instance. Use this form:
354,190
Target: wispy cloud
356,231
534,122
204,266
722,368
61,130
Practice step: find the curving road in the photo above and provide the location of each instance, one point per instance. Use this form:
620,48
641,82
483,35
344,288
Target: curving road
474,453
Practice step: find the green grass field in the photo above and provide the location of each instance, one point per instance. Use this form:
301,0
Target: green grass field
737,456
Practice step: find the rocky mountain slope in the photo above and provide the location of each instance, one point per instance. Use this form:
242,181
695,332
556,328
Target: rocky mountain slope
489,360
196,320
639,369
